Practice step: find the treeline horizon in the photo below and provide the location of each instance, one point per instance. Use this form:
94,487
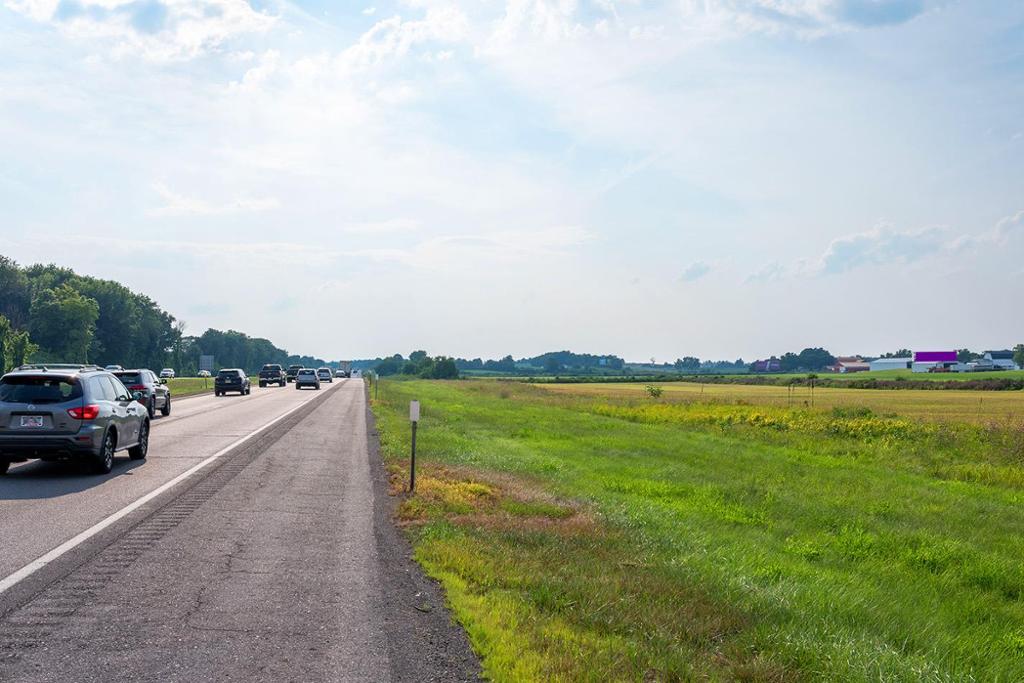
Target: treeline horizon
810,359
51,314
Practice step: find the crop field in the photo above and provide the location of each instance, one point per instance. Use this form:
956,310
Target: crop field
608,536
979,407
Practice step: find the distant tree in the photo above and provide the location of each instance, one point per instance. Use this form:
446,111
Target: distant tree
1018,355
966,355
444,368
902,353
5,335
418,356
687,364
63,322
20,349
552,364
815,359
789,362
389,366
16,297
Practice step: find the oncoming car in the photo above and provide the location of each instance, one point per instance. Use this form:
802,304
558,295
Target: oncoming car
69,412
167,373
307,377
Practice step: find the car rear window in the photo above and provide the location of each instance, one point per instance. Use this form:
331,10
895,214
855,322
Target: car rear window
305,372
130,377
228,373
271,367
39,390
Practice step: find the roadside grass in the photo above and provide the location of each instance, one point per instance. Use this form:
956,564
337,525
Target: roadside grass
604,538
1002,408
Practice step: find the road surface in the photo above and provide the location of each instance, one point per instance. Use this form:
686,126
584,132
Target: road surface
254,544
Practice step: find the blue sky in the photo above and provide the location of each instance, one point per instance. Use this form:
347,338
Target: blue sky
718,178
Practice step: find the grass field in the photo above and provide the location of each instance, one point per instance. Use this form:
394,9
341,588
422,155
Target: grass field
980,407
605,537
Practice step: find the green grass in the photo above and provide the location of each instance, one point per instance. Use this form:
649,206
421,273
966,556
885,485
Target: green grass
605,538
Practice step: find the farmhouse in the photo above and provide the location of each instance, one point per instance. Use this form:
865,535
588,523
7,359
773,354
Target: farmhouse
880,364
1001,360
773,364
934,361
849,364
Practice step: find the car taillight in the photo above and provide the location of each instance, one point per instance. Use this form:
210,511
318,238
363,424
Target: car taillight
137,387
89,412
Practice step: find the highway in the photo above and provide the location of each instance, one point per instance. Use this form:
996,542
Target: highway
255,543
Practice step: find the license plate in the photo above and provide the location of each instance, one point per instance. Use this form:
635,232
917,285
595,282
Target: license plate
34,421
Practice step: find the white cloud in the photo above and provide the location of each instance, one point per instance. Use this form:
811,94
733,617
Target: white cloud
879,246
159,30
175,204
695,271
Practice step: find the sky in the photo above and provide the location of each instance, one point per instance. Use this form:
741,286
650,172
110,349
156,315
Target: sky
652,179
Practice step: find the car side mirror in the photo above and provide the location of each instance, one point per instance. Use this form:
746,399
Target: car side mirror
137,395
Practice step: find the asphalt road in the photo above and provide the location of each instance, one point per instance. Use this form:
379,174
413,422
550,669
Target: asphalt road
276,562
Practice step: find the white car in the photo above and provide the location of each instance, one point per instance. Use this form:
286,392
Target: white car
325,375
167,373
113,368
204,373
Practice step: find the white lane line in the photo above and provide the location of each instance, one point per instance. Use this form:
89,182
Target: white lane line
40,562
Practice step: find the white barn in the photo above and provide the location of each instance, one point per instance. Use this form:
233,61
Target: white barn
890,364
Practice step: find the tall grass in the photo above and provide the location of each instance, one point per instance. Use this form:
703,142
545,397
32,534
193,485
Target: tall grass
603,538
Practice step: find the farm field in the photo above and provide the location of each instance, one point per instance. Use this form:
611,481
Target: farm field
607,536
979,407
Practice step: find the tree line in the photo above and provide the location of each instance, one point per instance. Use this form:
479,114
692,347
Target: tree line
52,314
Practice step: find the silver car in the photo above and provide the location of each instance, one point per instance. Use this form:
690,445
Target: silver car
69,412
307,377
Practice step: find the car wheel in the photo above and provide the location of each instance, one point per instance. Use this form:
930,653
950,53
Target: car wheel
151,407
166,410
263,385
138,451
104,462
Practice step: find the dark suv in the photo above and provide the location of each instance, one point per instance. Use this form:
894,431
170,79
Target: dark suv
69,412
272,373
232,379
155,393
292,371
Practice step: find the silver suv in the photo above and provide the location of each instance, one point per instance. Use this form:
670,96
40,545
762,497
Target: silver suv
69,412
307,377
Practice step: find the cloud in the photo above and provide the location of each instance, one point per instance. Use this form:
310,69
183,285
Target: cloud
695,271
158,30
878,246
770,272
179,205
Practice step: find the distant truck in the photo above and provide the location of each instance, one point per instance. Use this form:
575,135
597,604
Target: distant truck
345,366
272,373
292,371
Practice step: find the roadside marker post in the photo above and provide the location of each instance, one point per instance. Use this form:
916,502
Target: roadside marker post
414,417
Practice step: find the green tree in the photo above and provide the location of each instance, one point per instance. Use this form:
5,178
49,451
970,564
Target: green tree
20,348
15,293
5,335
62,322
418,357
966,355
444,368
1018,355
